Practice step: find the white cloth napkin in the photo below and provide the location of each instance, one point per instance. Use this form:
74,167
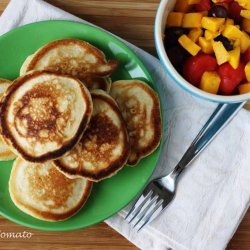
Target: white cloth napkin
213,194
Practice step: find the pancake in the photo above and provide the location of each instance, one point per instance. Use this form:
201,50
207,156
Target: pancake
43,115
5,153
96,82
73,57
104,147
40,190
4,84
140,108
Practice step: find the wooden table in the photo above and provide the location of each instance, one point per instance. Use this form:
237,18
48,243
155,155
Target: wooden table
133,21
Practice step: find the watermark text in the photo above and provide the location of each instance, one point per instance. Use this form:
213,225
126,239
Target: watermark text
15,235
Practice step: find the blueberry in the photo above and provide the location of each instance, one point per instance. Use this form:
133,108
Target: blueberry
177,56
226,43
218,11
172,35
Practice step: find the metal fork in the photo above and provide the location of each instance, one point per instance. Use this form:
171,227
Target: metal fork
160,192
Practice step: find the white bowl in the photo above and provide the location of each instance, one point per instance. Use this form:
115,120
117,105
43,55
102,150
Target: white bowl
164,8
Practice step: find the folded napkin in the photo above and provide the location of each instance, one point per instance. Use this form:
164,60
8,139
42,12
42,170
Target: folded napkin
213,194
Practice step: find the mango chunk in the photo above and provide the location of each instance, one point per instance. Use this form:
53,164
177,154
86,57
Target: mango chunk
244,42
204,13
192,20
206,46
174,19
212,23
194,34
246,25
182,6
247,71
244,3
232,32
237,43
210,82
244,88
193,1
234,57
221,53
222,27
189,45
245,14
209,35
229,21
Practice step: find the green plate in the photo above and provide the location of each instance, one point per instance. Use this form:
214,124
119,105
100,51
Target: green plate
108,196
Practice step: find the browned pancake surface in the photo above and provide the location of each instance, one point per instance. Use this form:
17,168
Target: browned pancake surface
42,115
45,193
74,57
104,147
140,108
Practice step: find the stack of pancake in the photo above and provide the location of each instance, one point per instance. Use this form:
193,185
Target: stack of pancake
69,126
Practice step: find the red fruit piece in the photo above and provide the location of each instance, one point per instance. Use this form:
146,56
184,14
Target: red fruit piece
246,56
234,11
195,66
204,5
230,77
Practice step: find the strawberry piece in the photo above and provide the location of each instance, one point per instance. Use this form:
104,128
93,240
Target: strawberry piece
234,11
230,77
246,56
204,5
195,66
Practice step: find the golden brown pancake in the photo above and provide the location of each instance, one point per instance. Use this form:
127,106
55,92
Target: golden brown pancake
5,153
4,84
44,115
73,57
40,190
140,108
104,147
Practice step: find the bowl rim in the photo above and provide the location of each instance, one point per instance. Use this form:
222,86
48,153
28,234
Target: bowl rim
175,75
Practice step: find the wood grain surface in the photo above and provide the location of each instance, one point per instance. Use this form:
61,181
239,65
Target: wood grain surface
132,20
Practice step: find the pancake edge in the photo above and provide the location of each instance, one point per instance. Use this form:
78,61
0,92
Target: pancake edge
8,155
157,121
47,216
10,140
117,165
30,64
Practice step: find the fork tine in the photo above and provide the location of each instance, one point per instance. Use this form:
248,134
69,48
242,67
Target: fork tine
149,216
146,209
138,209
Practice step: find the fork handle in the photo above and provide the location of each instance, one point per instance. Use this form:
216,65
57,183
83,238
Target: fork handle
217,121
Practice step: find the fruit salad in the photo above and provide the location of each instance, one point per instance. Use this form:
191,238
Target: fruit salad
208,42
